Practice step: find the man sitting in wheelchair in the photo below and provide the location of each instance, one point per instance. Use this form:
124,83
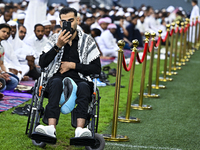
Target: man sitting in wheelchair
70,53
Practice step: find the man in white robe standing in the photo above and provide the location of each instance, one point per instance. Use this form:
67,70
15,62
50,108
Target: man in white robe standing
193,15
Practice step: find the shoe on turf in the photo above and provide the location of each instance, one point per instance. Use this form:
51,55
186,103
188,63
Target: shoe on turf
82,132
48,130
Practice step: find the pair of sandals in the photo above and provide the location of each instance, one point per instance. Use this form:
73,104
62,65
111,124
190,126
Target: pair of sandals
22,110
111,72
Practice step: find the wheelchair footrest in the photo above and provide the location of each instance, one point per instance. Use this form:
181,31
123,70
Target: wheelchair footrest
40,137
82,141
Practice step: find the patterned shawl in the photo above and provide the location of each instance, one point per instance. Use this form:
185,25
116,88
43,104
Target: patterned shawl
87,51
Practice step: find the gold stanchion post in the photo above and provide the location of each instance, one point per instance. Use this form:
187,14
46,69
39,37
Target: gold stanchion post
171,51
176,47
165,78
195,40
184,45
127,118
113,136
188,53
157,86
193,46
140,106
180,49
198,40
149,94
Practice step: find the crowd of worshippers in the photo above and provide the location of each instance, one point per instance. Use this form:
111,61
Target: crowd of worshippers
106,25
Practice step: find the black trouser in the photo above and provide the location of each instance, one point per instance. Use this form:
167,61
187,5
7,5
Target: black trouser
55,88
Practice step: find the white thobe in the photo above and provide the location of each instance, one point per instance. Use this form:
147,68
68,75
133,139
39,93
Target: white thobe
107,44
194,14
37,45
11,59
36,13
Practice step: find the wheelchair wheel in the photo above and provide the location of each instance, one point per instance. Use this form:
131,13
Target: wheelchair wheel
99,144
40,144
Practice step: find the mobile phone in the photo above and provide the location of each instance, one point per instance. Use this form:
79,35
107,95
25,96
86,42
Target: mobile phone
66,26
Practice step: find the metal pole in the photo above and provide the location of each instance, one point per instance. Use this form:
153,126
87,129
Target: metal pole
127,118
140,106
149,94
176,47
113,136
171,51
157,86
165,79
181,42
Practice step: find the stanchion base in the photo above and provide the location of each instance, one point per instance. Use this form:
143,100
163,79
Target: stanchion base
176,68
180,64
143,107
130,120
118,138
165,79
185,60
170,73
146,95
158,86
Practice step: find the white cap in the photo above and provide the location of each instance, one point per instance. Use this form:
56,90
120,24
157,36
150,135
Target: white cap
88,15
136,13
46,23
141,13
94,6
170,9
50,17
180,8
21,16
116,7
101,6
156,11
111,13
144,8
24,3
97,14
53,4
130,9
2,5
120,13
127,14
12,23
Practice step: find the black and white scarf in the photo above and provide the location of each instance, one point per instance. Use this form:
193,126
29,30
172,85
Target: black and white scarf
87,51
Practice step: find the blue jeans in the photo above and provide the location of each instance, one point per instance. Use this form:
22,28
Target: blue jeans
11,84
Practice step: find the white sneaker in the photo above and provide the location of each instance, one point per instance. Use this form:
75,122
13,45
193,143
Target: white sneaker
48,130
80,132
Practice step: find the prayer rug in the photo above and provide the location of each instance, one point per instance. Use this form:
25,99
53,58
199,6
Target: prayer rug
11,101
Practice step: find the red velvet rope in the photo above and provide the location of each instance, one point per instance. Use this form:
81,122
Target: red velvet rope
172,31
158,42
130,64
166,37
185,30
177,28
151,47
144,54
196,22
181,30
